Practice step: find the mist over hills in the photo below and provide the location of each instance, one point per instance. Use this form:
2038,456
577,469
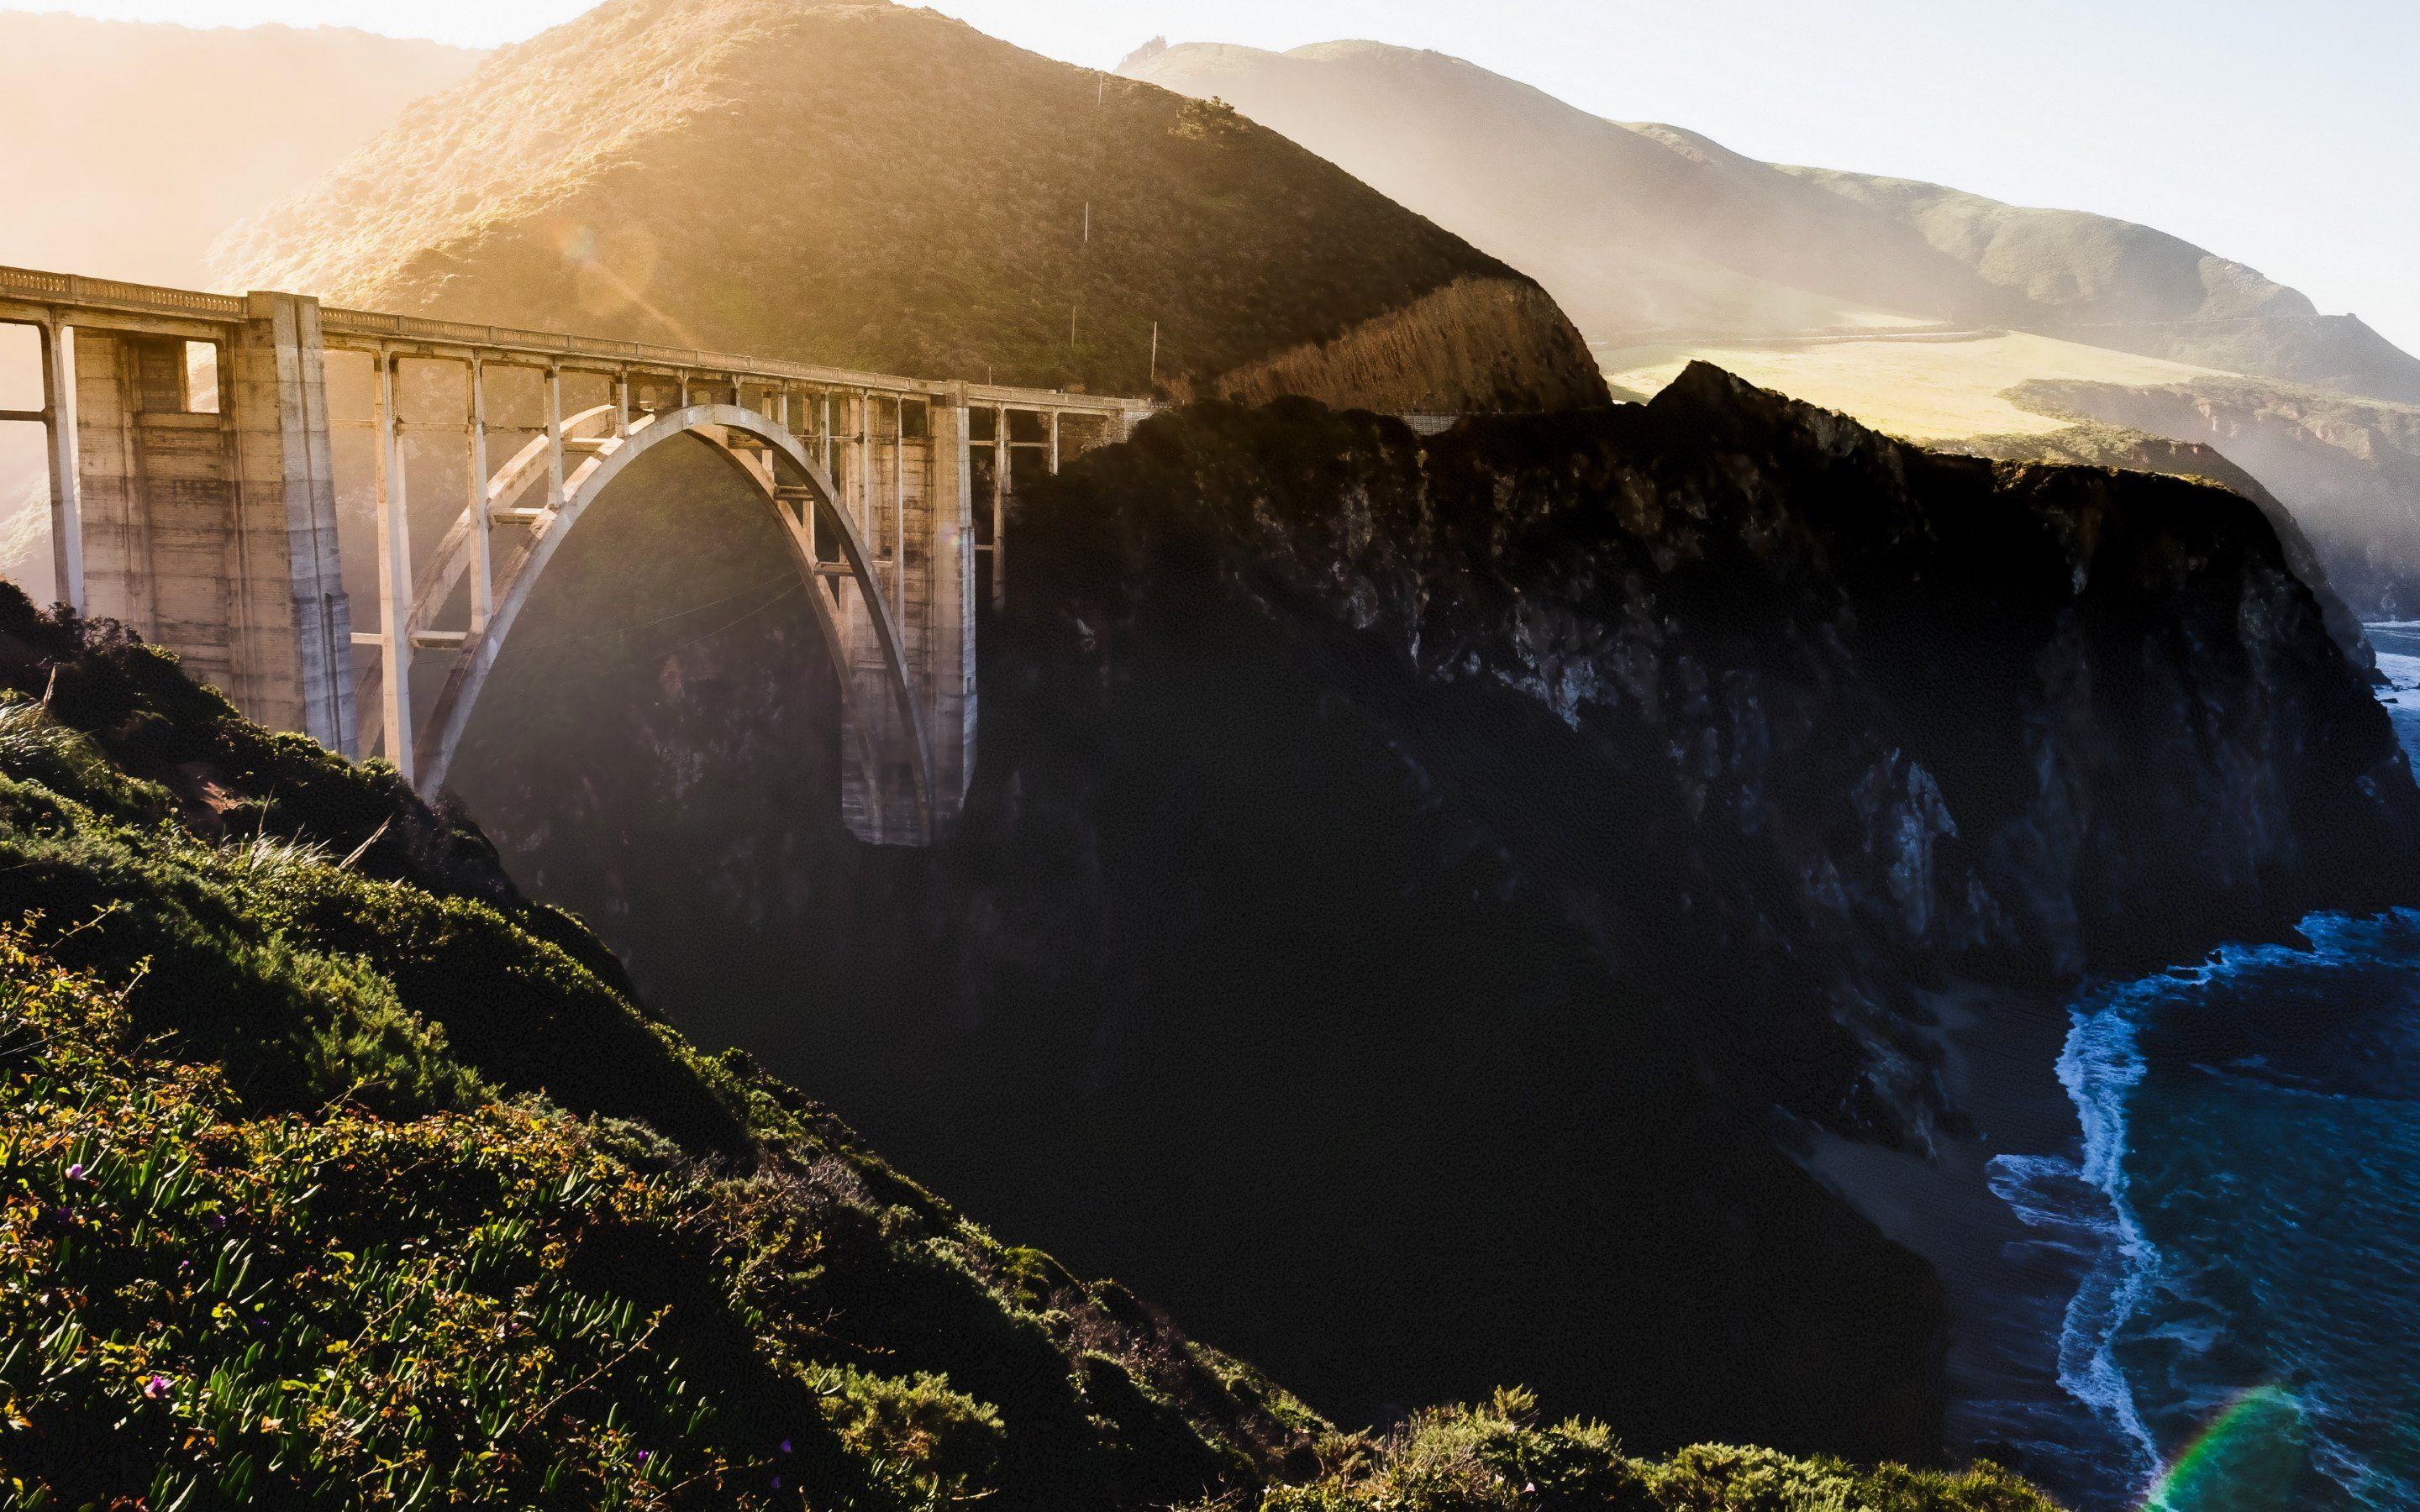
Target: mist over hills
142,143
1644,230
1891,299
875,186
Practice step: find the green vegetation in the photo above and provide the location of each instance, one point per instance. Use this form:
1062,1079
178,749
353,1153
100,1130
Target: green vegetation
337,1174
1501,1456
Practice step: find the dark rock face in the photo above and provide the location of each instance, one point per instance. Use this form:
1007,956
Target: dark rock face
1404,879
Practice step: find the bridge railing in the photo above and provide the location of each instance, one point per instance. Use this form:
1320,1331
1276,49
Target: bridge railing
112,294
70,292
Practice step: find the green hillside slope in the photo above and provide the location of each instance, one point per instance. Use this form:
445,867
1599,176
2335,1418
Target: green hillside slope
338,1174
878,186
341,1175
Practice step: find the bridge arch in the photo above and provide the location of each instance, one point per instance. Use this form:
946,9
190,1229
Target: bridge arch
792,485
255,596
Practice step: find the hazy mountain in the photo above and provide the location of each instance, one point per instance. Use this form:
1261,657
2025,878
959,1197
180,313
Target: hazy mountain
1646,231
141,143
126,147
1892,300
2116,284
874,185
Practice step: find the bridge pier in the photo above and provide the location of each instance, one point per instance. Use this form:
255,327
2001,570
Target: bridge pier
212,531
205,515
922,527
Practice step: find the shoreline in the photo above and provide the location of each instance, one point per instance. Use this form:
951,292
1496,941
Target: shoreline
2007,1283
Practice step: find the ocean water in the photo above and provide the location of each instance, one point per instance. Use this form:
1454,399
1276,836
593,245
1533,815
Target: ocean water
2244,1219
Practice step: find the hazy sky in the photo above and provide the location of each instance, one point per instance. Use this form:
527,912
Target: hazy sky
2286,136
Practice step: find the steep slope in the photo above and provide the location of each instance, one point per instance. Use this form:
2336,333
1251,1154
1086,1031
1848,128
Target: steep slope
1630,233
1649,231
878,186
2116,284
349,1177
2350,468
2347,469
354,1180
2091,443
1667,246
1417,870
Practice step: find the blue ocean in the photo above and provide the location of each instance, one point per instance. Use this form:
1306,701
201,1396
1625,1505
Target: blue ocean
2245,1217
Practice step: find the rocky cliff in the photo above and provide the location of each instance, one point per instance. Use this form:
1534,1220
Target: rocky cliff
2091,443
341,1175
1437,875
2350,466
872,185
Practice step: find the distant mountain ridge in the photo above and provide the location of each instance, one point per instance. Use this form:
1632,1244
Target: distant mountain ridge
1647,232
878,186
141,142
127,147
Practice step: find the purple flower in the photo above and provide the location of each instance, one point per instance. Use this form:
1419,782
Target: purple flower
214,1221
786,1446
156,1387
776,1483
642,1457
75,1172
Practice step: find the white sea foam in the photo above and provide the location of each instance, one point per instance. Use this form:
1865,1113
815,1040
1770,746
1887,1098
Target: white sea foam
2099,1066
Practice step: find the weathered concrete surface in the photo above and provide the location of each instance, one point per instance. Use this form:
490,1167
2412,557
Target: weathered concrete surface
215,535
210,525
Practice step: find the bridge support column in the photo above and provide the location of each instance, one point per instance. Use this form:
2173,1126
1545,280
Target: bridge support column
59,432
932,510
215,535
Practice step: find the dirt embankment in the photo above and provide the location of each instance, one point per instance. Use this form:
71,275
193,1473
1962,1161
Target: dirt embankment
1477,344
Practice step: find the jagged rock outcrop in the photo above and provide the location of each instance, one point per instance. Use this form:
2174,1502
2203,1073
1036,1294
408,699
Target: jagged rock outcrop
1417,872
2096,445
873,186
2350,468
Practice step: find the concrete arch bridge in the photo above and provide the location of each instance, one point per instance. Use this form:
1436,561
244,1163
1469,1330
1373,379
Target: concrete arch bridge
194,496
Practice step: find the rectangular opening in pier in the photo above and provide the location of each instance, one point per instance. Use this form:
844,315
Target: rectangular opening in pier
201,378
24,467
20,368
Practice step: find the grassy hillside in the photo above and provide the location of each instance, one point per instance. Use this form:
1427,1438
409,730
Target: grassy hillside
864,184
1630,234
2116,284
1923,389
340,1175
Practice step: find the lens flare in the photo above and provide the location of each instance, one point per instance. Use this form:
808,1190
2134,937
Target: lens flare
2246,1459
612,279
